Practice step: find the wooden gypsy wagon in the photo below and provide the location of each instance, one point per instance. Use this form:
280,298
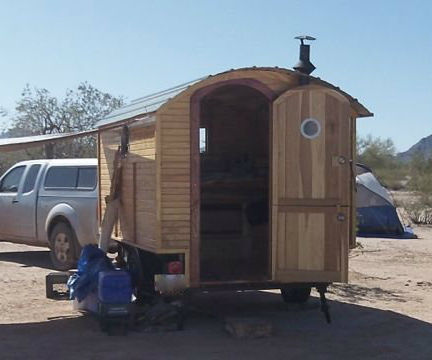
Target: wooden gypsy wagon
239,180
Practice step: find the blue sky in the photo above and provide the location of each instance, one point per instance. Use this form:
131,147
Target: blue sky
378,51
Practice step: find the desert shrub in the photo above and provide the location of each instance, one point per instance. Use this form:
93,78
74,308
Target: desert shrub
393,178
420,213
420,170
380,155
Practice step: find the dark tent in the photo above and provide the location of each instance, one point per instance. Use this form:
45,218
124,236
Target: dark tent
376,213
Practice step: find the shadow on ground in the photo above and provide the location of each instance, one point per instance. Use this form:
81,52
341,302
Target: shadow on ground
355,293
28,258
300,332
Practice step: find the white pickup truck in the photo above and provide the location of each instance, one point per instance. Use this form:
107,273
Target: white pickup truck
51,203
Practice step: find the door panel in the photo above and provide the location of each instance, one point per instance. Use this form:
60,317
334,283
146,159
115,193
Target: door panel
9,187
311,185
24,209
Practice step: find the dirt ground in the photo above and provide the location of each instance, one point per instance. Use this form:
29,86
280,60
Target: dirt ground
384,313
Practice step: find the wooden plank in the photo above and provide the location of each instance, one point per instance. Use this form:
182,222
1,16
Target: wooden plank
308,202
270,268
292,239
176,230
281,241
180,158
175,172
332,242
175,151
173,110
167,139
275,240
175,145
177,197
176,125
176,237
345,150
176,191
305,151
99,155
167,210
332,147
344,246
181,217
174,165
179,204
176,178
311,248
175,117
307,209
147,153
281,134
353,220
177,244
174,184
175,132
134,202
318,146
292,174
175,224
158,194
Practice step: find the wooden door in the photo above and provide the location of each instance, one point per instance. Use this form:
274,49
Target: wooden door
311,185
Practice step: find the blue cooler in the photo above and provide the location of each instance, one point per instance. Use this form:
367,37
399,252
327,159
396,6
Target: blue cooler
114,287
115,295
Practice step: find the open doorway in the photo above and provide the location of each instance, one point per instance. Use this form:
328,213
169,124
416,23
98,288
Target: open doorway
234,178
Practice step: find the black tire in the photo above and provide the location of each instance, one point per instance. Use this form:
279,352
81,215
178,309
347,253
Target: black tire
64,247
130,257
296,294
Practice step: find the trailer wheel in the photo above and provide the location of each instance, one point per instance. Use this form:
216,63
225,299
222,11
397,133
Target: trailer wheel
131,260
63,246
296,294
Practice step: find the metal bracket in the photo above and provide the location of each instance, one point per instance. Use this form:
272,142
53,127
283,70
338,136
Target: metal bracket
322,289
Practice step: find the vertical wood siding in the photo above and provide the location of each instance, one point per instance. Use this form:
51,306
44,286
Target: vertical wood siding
138,208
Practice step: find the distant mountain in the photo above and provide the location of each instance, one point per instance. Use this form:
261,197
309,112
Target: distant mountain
424,147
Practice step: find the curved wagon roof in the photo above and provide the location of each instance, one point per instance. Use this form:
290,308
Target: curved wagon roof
143,107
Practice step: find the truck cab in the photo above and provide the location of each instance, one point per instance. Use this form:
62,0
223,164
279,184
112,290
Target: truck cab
51,203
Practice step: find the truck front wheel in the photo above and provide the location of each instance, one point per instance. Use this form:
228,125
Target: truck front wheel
64,247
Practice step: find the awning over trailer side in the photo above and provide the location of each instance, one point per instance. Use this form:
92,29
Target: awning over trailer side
19,143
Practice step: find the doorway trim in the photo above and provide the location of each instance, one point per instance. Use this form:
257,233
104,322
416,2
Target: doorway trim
195,182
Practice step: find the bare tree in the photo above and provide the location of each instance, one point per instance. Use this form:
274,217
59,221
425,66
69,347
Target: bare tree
40,113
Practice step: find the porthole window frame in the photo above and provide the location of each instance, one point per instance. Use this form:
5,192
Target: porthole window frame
303,125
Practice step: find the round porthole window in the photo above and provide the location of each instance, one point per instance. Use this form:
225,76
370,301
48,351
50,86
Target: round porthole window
310,128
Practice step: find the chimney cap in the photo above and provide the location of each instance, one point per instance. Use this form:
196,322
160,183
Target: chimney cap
304,65
302,38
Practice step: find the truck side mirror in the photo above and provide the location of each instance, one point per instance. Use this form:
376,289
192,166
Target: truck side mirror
12,189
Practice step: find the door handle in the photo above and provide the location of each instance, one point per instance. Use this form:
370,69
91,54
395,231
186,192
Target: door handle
14,201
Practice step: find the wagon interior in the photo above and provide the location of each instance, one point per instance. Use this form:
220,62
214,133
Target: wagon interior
234,177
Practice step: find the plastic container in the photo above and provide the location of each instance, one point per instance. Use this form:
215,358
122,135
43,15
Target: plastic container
114,287
89,303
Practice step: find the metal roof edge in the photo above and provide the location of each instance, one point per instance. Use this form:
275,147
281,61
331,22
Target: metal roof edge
143,106
18,143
